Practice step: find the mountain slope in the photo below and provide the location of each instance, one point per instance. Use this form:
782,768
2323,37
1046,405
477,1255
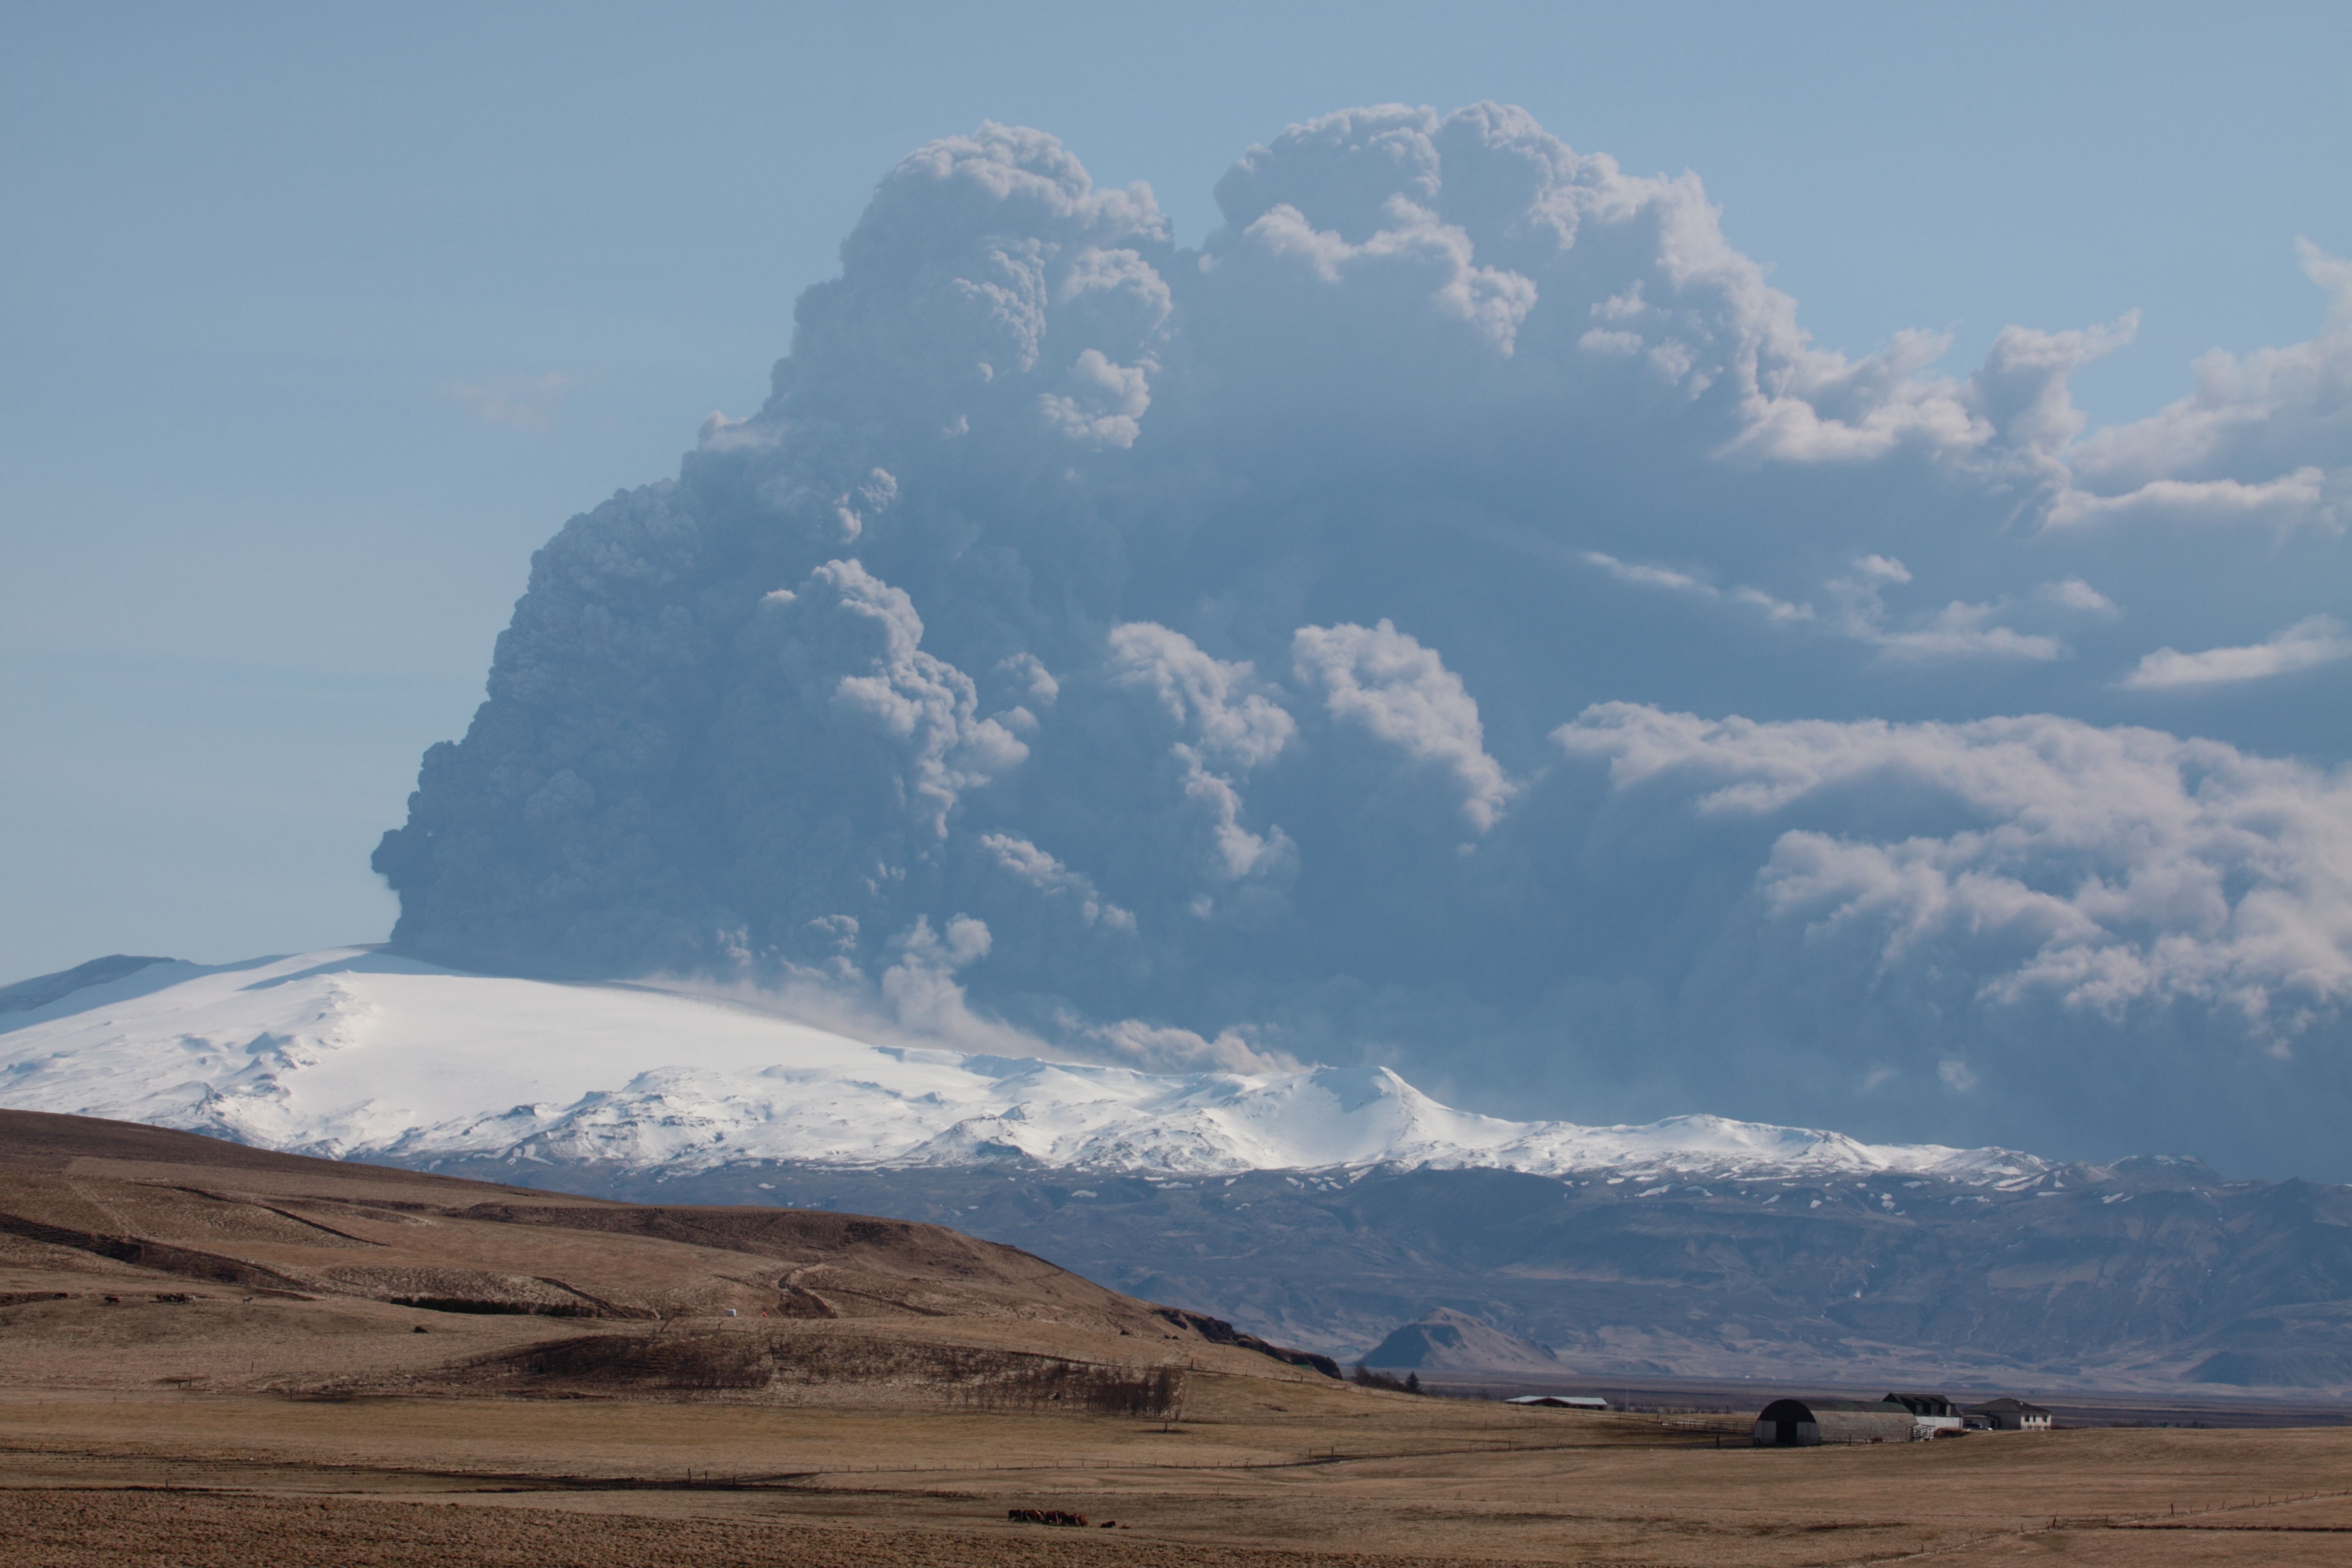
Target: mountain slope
1318,1207
357,1052
26,996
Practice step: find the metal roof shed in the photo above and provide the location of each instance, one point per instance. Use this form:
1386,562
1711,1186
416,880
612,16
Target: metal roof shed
1810,1422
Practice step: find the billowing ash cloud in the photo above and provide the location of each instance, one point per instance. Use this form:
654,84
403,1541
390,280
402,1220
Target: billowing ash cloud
1456,618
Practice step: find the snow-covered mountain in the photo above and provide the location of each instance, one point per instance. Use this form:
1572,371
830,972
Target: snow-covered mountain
355,1052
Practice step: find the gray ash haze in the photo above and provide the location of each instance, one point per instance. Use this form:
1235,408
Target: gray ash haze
1453,618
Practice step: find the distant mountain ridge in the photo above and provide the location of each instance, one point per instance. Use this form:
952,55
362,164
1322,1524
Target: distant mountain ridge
2143,1274
43,989
362,1053
1317,1208
1443,1340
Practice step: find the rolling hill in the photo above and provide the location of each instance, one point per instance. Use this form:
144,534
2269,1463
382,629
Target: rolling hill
131,1255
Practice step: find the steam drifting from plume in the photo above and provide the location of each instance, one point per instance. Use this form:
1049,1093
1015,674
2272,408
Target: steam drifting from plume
1446,619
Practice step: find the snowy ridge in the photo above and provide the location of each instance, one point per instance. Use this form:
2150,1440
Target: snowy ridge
355,1053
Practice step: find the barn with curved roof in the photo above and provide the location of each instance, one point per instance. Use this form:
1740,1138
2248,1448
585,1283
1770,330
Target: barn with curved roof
1810,1422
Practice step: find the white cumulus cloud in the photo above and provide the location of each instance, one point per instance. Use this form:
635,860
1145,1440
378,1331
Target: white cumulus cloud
2312,641
2265,439
2108,867
1380,679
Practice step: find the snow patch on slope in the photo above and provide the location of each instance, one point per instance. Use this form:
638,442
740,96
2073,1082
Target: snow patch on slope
358,1053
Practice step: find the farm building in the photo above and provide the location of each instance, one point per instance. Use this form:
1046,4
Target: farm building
1810,1422
2008,1416
1931,1412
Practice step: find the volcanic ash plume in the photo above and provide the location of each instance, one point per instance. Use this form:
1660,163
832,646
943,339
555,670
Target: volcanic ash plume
1455,617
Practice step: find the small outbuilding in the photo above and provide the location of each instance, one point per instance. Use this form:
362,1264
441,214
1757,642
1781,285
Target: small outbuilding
1810,1422
2008,1415
1931,1412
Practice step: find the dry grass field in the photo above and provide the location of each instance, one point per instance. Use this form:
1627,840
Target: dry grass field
213,1356
1255,1472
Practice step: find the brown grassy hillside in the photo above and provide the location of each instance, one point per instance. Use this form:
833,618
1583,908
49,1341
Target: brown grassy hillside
133,1257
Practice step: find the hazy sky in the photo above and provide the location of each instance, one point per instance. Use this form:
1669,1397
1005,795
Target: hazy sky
316,322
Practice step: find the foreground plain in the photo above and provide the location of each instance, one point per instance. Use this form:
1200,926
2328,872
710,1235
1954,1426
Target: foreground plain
1255,1472
213,1355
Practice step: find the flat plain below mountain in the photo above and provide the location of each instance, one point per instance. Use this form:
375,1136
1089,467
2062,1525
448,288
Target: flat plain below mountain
213,1354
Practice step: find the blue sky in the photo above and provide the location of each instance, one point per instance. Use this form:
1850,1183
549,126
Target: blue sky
319,321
